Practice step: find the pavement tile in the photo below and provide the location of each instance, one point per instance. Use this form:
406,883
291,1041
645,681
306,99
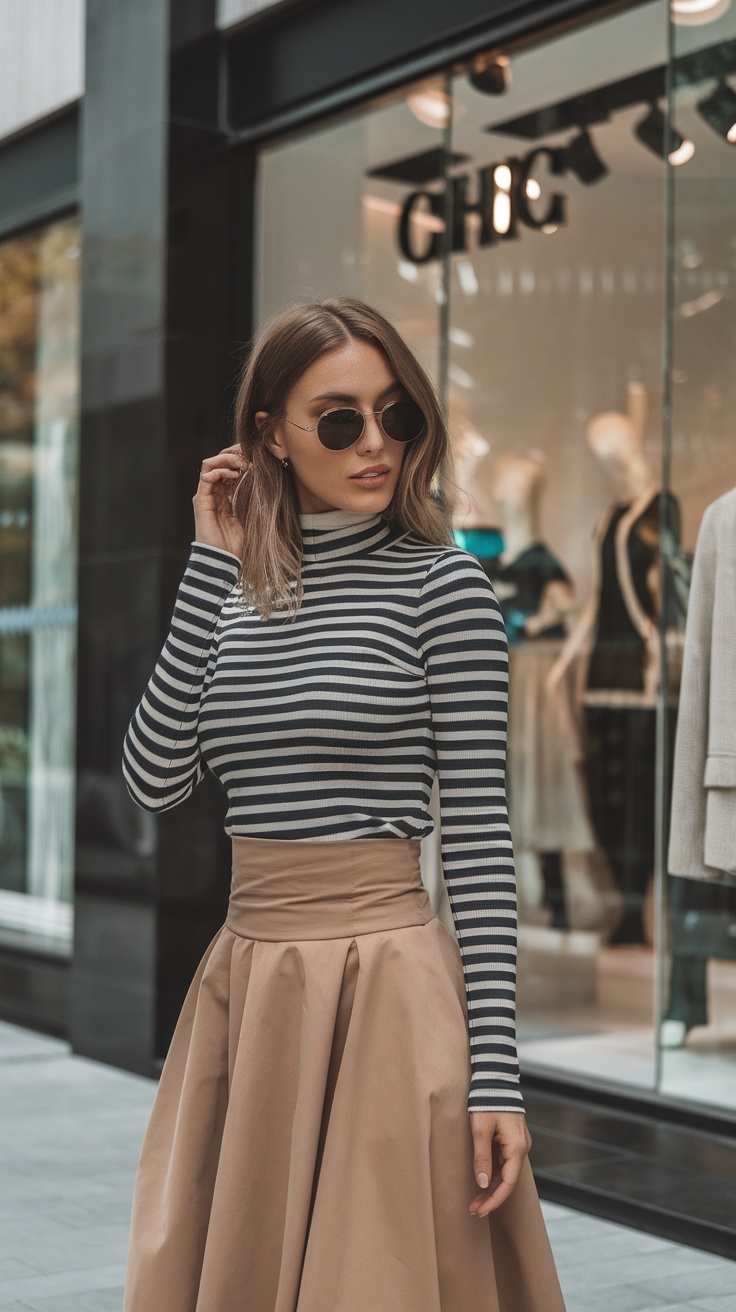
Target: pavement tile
677,1307
11,1266
620,1246
93,1300
697,1284
63,1283
660,1273
624,1298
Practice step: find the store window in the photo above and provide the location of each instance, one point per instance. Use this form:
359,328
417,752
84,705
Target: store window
512,218
555,401
698,1033
39,280
330,205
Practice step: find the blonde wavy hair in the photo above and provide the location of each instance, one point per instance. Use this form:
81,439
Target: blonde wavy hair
265,500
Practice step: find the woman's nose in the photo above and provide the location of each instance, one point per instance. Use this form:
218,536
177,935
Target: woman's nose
372,433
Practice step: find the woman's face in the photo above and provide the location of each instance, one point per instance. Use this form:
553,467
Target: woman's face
358,375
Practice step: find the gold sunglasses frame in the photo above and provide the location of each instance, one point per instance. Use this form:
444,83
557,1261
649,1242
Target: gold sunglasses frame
365,413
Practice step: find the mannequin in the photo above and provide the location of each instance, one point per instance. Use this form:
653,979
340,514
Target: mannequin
616,441
536,598
533,589
618,635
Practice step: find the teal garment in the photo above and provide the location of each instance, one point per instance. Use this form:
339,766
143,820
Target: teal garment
485,543
529,573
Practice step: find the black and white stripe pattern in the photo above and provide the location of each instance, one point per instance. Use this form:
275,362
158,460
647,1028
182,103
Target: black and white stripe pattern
331,726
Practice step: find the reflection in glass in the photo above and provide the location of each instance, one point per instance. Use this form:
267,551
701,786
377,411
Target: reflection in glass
38,480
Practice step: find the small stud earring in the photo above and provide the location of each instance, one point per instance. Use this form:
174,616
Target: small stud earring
285,461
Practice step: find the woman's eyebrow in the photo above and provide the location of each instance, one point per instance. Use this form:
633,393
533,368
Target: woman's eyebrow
351,400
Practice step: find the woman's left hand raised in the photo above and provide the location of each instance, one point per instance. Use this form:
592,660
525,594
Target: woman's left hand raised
501,1141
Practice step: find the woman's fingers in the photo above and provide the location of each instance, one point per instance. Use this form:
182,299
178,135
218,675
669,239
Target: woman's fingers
501,1142
215,522
224,469
215,487
227,453
225,460
502,1185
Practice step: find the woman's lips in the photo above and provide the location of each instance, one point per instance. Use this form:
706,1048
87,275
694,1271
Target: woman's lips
371,480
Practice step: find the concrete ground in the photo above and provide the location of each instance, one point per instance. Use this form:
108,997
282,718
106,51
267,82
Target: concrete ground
70,1133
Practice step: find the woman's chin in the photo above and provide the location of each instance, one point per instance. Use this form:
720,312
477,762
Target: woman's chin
372,500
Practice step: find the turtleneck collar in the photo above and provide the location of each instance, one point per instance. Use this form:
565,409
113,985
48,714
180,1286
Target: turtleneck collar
333,533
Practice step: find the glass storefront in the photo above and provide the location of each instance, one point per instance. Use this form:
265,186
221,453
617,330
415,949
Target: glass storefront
555,392
39,285
559,250
698,1034
348,243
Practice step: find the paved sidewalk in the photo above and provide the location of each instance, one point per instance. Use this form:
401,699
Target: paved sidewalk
70,1133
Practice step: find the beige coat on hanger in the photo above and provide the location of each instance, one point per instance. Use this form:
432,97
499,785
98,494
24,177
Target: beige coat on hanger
703,826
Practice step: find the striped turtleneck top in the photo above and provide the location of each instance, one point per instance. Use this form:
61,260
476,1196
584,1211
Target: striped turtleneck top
333,725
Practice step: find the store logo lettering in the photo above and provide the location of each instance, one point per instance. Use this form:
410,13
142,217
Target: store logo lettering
503,202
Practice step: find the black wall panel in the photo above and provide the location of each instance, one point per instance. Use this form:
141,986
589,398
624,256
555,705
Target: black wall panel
311,50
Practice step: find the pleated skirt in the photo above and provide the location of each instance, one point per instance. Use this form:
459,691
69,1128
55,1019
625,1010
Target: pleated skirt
309,1146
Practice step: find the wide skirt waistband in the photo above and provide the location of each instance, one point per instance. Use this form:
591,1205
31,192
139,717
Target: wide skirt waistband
288,889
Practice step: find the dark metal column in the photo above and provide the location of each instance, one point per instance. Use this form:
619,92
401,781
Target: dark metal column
156,358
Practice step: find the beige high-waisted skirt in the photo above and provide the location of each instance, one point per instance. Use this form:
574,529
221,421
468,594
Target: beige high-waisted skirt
309,1147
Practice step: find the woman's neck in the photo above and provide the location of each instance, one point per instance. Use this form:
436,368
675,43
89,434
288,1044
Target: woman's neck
330,534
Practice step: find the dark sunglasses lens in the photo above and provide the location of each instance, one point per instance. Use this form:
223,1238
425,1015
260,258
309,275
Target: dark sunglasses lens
338,429
403,421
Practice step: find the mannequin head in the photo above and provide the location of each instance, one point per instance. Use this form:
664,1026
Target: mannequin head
613,440
617,442
516,485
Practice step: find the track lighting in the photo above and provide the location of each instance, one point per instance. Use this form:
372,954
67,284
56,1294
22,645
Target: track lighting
719,111
431,107
692,13
582,159
491,76
652,132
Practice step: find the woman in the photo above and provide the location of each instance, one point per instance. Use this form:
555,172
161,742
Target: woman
338,1125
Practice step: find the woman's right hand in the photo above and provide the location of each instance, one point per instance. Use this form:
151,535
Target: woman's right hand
215,525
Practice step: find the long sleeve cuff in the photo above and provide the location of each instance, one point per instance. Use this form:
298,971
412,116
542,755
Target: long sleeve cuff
494,1095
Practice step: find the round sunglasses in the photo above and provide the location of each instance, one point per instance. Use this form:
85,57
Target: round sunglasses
338,429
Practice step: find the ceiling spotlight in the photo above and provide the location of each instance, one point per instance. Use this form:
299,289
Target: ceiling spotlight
582,158
652,132
719,111
693,13
682,153
431,107
491,75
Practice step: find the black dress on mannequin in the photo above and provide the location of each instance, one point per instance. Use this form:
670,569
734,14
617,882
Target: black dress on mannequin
620,755
523,581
